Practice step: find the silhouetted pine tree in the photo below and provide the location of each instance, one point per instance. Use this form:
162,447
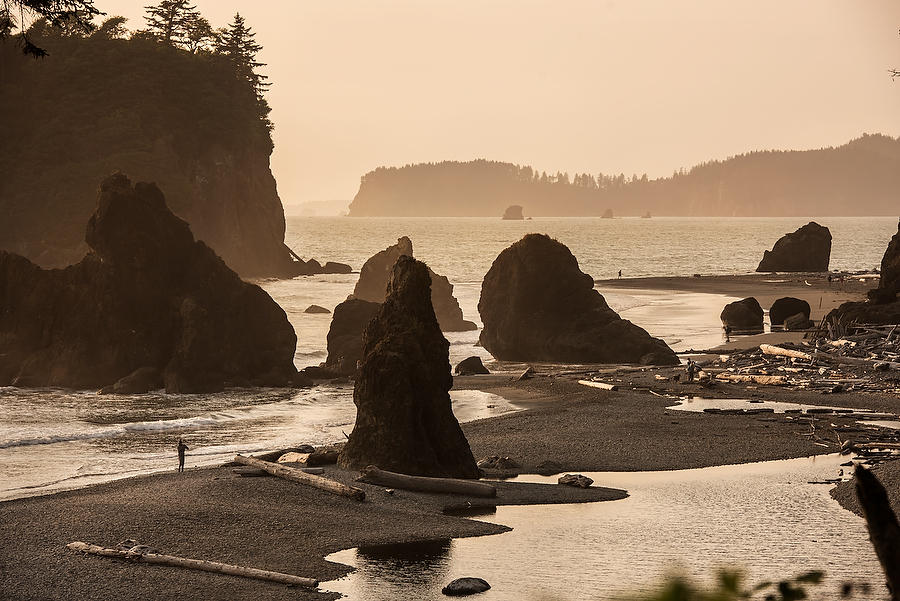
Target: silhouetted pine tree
170,21
236,42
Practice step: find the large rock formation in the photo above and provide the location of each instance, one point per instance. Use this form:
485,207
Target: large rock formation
375,273
147,296
807,249
785,307
345,336
537,305
404,419
513,212
744,316
883,306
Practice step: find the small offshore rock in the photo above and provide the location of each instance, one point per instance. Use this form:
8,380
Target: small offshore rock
513,212
334,267
465,586
316,309
576,480
806,249
470,366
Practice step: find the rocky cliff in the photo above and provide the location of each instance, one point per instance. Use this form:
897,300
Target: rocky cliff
147,303
182,120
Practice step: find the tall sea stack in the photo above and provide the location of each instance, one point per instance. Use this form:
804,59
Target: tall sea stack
807,249
537,305
404,419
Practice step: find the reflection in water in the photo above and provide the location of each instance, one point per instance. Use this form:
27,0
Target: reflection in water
761,517
391,569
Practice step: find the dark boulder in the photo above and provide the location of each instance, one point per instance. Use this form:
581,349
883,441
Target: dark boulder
784,307
147,295
316,309
470,366
513,212
537,305
465,586
807,249
404,418
334,267
798,321
345,336
576,480
373,279
744,316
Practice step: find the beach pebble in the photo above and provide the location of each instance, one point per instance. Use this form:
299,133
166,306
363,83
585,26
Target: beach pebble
575,480
465,586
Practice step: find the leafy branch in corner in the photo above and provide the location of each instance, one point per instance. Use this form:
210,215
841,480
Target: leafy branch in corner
64,14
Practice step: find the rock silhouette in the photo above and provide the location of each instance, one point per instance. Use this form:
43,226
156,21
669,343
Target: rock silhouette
470,366
375,273
147,296
404,419
537,305
744,316
889,286
345,336
806,249
513,212
785,307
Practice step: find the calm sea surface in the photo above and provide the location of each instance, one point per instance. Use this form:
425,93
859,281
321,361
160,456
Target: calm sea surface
54,439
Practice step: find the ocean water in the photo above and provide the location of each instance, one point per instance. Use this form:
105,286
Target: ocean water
56,439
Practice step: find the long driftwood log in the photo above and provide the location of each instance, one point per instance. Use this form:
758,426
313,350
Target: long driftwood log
296,475
373,475
768,349
192,564
753,379
884,531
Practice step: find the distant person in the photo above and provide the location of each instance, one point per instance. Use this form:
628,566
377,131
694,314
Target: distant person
181,449
691,370
829,280
620,273
727,333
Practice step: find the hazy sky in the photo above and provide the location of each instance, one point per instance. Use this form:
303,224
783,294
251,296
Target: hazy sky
628,85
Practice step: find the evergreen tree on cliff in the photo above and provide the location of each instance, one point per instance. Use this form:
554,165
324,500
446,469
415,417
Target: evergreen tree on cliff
59,13
170,21
236,42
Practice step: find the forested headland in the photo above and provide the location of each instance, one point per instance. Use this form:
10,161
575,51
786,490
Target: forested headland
861,177
175,102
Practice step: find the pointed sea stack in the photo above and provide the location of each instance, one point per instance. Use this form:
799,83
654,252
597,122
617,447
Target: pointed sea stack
537,305
404,419
807,249
375,273
345,336
147,297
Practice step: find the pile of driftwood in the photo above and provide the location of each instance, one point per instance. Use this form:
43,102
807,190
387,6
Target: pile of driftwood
862,357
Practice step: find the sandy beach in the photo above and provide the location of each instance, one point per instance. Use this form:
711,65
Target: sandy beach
273,524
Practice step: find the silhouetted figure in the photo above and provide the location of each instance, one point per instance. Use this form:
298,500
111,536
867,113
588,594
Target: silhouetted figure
620,273
727,333
691,369
181,449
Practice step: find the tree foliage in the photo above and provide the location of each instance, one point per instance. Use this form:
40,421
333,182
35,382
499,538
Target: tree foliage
237,43
70,15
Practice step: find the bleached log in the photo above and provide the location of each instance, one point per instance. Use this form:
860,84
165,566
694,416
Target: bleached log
193,564
768,349
754,379
600,385
373,475
841,360
296,475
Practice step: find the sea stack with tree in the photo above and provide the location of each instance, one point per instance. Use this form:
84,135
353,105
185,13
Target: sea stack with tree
404,419
537,305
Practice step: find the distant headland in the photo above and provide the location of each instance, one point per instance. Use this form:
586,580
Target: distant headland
860,178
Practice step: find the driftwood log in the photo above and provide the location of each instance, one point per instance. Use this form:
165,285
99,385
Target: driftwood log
373,475
192,564
600,385
884,531
297,475
768,349
753,379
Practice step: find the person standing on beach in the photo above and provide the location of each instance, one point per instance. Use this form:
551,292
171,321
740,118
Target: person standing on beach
181,449
620,273
691,368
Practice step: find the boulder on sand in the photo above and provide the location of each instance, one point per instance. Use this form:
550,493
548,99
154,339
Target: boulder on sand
513,212
743,317
375,273
345,336
807,249
471,366
462,587
537,305
147,296
786,306
404,419
796,322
